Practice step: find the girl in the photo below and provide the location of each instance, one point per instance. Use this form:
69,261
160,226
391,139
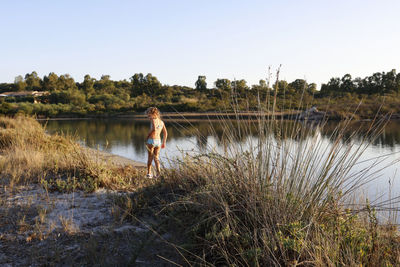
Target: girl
153,140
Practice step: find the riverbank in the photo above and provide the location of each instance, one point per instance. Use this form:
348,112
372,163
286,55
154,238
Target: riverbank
115,159
67,205
181,116
61,203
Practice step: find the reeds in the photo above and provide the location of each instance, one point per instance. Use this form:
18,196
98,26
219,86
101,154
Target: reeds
278,200
281,199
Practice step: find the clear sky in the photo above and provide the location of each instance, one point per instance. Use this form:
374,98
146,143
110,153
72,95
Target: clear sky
178,40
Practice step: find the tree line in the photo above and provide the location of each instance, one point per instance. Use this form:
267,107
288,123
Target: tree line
378,83
92,96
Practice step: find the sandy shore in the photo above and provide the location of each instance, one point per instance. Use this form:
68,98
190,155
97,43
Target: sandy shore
115,159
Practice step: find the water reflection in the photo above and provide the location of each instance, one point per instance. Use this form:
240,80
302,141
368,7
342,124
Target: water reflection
109,133
126,137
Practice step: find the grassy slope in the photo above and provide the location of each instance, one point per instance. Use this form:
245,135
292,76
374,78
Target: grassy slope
29,155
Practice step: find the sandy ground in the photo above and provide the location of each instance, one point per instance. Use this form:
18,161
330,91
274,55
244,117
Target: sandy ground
74,212
40,228
116,159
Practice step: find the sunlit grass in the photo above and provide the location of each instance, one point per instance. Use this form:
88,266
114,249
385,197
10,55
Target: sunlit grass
281,199
30,155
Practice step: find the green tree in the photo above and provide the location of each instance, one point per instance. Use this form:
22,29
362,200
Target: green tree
397,83
239,87
312,88
262,84
70,96
358,85
105,85
223,84
66,82
201,83
141,84
137,81
298,85
152,84
283,88
347,84
332,87
5,87
20,83
374,83
50,82
87,85
33,81
389,81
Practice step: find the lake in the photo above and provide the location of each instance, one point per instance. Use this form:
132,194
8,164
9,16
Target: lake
126,137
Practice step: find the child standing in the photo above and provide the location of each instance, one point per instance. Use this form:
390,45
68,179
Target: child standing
153,140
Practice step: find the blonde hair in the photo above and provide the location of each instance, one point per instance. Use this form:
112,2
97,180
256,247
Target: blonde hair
153,112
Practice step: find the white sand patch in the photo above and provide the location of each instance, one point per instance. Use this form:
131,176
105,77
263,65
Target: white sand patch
72,212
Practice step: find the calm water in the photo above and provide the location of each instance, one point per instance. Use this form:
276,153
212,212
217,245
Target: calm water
126,137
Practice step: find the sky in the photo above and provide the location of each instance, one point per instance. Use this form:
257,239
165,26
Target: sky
178,40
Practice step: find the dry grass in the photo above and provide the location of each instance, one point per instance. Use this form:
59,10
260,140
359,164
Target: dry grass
29,155
278,201
39,227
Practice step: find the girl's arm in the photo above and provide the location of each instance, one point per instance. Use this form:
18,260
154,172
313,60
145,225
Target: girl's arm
152,130
165,134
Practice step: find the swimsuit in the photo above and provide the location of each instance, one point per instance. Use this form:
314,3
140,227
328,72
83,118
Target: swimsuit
155,142
158,126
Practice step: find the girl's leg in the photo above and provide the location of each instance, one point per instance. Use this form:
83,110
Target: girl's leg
156,154
150,150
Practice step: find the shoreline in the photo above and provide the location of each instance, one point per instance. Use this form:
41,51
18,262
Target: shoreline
115,159
207,116
173,115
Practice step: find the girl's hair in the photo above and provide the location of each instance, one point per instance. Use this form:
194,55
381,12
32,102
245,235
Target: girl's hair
153,111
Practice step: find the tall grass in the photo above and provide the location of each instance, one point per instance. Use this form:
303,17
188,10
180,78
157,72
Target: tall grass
278,200
29,155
